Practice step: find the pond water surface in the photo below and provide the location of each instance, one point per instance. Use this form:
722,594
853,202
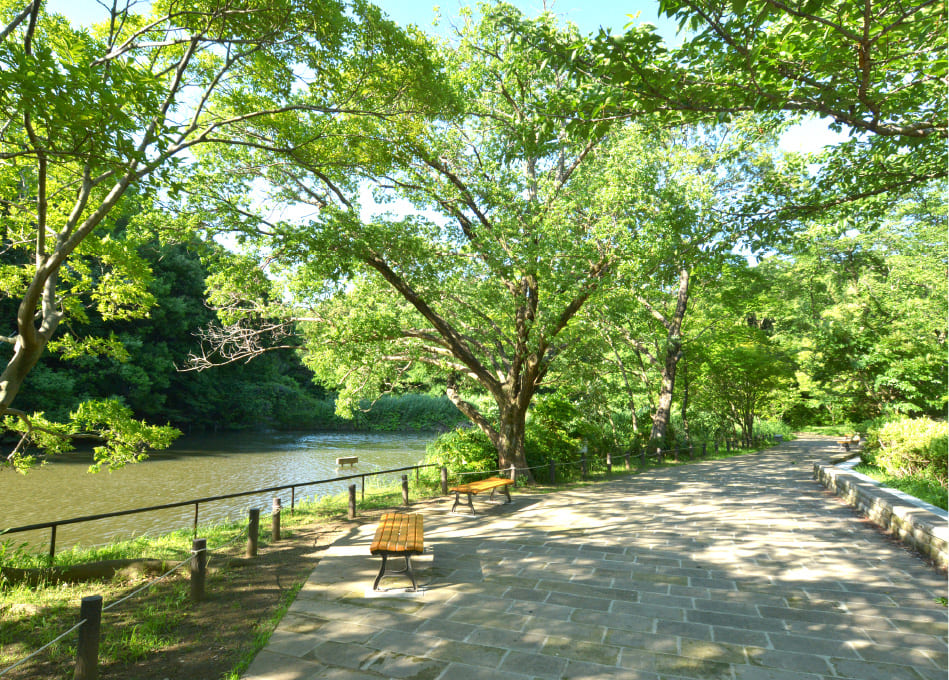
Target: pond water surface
195,467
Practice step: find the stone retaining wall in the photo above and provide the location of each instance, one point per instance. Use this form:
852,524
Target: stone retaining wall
920,525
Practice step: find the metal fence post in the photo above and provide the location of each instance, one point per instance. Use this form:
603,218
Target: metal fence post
87,651
199,568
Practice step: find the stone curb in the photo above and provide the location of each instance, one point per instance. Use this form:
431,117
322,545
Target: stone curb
918,524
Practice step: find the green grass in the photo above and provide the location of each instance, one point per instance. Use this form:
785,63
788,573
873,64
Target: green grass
924,488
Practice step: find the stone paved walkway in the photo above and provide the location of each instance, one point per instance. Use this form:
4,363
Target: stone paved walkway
742,569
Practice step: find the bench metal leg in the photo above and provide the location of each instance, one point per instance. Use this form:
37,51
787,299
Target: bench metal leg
458,500
407,570
504,490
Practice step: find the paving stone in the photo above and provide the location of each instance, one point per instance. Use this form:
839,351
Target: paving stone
267,665
739,636
535,665
590,652
581,670
503,639
696,631
773,658
467,653
340,654
812,645
757,623
459,671
866,670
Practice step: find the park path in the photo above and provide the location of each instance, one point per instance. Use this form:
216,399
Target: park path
737,569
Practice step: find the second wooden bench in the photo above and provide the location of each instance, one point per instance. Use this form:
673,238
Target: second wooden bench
490,484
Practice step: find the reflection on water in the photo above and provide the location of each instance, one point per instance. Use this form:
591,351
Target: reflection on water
195,467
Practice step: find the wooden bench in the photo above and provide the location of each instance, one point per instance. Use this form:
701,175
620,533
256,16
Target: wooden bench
398,535
490,484
846,443
347,460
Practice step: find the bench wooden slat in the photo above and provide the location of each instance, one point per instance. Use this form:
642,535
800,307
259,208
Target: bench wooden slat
482,485
398,534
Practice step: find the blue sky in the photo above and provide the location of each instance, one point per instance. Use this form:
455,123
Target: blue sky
588,15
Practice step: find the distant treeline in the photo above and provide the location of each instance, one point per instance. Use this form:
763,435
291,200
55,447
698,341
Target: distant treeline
274,391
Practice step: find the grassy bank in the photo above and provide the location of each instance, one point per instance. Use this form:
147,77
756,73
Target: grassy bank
924,487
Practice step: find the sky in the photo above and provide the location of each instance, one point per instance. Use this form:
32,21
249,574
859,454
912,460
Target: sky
588,15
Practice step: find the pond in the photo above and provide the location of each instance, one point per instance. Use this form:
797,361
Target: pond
195,467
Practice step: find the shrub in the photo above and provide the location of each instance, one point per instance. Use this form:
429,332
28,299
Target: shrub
909,447
463,450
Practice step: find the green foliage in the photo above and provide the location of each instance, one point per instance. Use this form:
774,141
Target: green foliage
126,439
910,446
463,450
862,307
409,412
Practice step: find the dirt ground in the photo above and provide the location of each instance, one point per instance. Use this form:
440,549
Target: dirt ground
206,640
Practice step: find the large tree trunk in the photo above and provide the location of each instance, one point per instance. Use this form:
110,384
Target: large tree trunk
508,437
663,413
510,441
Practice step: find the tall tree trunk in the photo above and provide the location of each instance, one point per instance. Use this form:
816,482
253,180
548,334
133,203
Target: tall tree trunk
660,421
685,401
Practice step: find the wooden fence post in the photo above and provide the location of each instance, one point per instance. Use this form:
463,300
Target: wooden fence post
405,489
87,651
552,472
352,501
199,568
583,465
513,473
704,449
626,459
444,481
275,520
609,463
253,532
642,458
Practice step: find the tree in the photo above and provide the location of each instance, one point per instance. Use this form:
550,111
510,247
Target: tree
863,307
703,173
486,293
744,375
85,115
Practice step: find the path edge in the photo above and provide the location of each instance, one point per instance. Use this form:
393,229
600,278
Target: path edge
918,524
